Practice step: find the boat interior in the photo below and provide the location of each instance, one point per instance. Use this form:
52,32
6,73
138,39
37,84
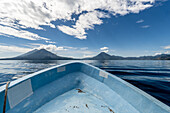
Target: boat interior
77,88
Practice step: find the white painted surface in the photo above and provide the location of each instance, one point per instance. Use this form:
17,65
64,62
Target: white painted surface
19,92
103,74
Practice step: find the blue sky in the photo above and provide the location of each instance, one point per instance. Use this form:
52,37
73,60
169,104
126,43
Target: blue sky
83,28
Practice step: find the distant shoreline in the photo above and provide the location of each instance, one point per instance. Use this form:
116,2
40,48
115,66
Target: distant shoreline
43,54
85,59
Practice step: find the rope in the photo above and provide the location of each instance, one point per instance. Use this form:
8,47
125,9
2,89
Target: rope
5,97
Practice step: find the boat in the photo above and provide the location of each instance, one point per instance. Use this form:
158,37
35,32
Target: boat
76,87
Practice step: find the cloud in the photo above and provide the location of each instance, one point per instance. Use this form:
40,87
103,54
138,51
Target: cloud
84,48
85,22
158,53
165,52
51,47
140,21
74,32
66,50
145,26
104,49
167,47
19,14
12,51
50,42
70,47
93,17
7,48
8,31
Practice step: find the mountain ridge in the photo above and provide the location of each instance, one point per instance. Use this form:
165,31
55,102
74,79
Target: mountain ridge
43,54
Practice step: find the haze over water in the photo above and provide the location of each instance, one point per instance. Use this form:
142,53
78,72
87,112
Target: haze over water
152,76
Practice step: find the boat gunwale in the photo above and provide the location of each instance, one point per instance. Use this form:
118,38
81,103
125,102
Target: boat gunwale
24,78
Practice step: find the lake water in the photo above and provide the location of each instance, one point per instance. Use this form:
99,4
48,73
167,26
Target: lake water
151,76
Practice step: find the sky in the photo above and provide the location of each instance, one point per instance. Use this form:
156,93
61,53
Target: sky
84,28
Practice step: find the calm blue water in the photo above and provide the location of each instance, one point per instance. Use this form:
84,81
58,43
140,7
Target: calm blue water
151,76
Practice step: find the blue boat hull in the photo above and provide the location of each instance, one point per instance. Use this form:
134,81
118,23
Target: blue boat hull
77,88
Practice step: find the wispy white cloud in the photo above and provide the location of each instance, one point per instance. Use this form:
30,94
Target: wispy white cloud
66,50
158,53
93,17
166,50
166,47
145,26
163,52
8,31
104,49
140,21
85,22
68,47
12,51
51,47
84,48
20,14
9,48
50,42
